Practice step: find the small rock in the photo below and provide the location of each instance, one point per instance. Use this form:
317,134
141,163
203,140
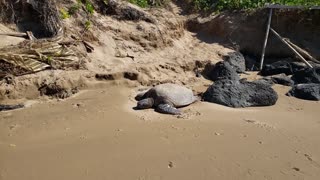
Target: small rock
283,80
306,91
236,61
170,165
140,27
307,76
78,105
249,121
223,70
278,67
296,169
265,80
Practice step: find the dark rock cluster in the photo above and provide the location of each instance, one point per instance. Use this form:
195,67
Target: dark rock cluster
229,90
305,81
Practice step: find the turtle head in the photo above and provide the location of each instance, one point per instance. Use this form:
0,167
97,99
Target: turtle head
141,95
145,103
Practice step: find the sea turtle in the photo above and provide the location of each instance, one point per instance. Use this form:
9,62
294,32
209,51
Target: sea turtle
166,98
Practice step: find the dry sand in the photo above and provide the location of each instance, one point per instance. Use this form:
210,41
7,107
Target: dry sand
97,135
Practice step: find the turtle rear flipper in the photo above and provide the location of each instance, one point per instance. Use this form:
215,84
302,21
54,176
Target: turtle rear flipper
167,109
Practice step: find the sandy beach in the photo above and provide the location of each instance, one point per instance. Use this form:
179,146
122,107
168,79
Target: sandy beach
97,135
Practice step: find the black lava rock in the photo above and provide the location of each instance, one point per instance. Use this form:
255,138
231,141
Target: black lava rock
298,66
236,61
283,80
309,75
306,91
265,80
278,67
223,70
240,93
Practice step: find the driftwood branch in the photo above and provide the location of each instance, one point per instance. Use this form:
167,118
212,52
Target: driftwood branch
24,35
27,35
290,47
303,52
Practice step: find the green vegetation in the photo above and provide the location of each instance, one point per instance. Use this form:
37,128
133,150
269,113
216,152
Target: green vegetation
64,14
76,7
206,5
244,4
87,25
149,3
141,3
89,6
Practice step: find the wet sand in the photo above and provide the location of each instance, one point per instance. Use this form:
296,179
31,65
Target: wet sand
97,135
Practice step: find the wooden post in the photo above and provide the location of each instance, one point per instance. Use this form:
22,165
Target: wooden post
290,47
266,39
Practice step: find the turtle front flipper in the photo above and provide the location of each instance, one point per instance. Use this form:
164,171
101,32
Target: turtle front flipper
167,109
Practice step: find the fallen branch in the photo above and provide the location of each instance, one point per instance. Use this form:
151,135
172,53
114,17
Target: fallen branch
88,46
27,35
302,51
290,47
24,35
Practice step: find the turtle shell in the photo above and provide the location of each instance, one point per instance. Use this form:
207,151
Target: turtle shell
178,95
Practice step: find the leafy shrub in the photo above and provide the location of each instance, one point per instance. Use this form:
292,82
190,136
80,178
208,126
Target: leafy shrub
244,4
64,14
89,6
141,3
87,25
150,3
